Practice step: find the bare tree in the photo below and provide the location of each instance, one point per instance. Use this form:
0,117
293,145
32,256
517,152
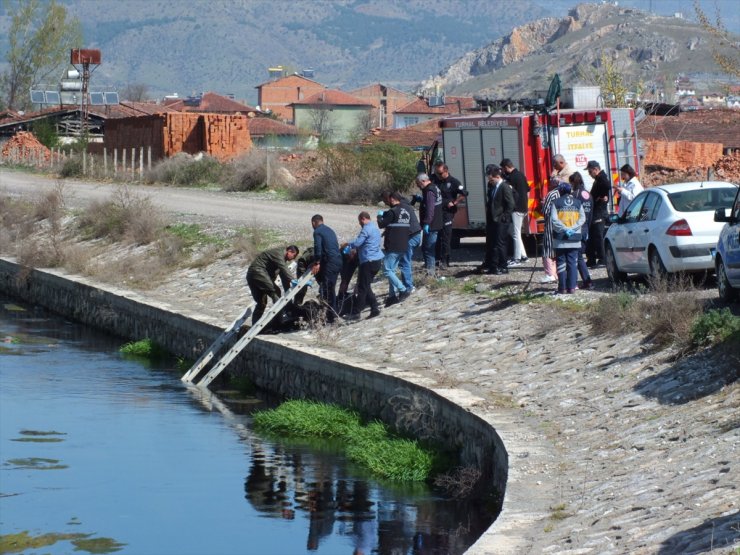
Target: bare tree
611,78
725,47
39,41
135,92
322,123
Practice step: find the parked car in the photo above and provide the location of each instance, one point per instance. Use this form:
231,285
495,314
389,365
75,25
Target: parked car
727,258
667,229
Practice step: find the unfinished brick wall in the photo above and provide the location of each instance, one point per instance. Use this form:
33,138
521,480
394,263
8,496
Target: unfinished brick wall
679,155
218,135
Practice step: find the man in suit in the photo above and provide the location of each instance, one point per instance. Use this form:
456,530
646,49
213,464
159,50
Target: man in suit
500,206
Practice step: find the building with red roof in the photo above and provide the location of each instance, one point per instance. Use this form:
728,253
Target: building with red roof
336,116
277,95
425,109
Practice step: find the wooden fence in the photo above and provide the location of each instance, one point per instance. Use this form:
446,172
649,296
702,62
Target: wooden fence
125,164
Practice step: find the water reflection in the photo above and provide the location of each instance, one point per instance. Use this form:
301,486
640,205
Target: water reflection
143,456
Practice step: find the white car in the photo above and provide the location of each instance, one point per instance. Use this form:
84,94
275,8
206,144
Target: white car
666,229
727,259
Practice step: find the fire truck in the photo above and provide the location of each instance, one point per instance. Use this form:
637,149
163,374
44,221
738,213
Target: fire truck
468,143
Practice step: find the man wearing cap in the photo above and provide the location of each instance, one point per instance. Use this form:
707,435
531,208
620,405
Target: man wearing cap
453,193
600,191
501,205
261,275
431,219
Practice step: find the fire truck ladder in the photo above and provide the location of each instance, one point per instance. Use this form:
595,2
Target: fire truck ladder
239,346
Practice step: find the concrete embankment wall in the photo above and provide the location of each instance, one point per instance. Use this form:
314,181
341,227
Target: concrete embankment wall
281,366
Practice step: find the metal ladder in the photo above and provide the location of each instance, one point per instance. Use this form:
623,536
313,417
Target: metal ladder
209,353
239,346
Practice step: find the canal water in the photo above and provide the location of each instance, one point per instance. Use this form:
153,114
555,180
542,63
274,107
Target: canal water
100,453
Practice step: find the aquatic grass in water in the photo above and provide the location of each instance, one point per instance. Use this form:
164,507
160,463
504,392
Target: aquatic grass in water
39,437
372,446
144,348
22,542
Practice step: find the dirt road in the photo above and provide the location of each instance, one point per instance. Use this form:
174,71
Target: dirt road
263,210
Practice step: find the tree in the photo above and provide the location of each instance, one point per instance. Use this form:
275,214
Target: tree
610,78
39,41
135,92
729,59
321,122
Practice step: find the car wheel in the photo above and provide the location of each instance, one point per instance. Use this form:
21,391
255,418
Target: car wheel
615,276
657,269
726,291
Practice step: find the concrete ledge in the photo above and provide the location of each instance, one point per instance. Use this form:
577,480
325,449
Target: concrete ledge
403,399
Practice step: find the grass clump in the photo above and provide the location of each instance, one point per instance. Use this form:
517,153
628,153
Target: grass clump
372,445
256,170
124,216
144,348
714,326
186,170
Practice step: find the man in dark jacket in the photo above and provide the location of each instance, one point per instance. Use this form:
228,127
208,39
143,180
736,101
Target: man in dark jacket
600,191
453,193
396,222
261,275
501,201
431,218
327,263
520,188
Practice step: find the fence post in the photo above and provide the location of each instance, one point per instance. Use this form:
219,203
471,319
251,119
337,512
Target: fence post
149,158
92,165
105,162
84,162
115,162
133,163
141,163
123,161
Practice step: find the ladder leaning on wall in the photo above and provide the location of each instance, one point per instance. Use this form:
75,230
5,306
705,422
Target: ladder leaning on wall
191,375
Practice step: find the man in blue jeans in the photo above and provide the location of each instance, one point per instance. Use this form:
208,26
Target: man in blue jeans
396,223
367,244
431,218
404,265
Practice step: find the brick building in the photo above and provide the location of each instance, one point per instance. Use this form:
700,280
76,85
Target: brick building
278,95
210,102
385,100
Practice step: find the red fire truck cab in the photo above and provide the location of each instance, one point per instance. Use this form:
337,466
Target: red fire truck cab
469,143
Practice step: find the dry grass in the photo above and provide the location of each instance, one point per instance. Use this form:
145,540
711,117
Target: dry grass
126,217
664,312
254,170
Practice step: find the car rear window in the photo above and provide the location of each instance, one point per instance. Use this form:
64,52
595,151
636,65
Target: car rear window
701,200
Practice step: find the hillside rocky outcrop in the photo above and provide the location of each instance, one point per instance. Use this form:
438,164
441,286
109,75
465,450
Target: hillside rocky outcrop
640,43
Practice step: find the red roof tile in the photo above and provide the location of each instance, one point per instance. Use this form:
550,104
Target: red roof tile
212,102
451,106
259,127
417,136
331,97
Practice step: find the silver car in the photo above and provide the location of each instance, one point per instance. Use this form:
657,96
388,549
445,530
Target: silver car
666,229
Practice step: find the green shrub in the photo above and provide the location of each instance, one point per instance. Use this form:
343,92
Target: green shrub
372,446
46,133
714,326
348,175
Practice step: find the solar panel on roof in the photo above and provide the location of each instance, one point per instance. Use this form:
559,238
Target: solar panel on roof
38,97
111,98
52,97
97,99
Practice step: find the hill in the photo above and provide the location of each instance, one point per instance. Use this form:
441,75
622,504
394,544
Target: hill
646,47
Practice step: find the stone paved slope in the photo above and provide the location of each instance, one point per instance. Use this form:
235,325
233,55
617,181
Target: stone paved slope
613,447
